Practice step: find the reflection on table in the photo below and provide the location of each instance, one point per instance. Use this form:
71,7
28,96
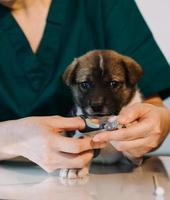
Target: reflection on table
24,180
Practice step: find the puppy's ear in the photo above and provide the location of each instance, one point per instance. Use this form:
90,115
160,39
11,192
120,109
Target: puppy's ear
69,75
133,70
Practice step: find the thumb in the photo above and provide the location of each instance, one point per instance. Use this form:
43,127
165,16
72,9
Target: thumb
132,113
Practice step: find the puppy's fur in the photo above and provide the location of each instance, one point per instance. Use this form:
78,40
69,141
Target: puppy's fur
102,83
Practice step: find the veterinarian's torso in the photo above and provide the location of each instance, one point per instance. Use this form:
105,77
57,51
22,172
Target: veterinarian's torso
30,84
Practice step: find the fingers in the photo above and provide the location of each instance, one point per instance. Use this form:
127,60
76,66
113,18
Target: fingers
135,131
75,145
132,113
136,148
76,161
67,123
59,160
128,145
99,145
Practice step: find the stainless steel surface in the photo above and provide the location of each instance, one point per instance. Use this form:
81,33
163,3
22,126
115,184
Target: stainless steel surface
23,180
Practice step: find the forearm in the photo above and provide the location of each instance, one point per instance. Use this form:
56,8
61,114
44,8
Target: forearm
7,140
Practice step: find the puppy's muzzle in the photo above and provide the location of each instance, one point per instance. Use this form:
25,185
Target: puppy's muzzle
97,105
97,108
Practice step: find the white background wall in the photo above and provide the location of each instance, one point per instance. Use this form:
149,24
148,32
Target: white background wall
157,16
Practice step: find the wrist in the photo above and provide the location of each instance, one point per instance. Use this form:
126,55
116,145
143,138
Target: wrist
8,140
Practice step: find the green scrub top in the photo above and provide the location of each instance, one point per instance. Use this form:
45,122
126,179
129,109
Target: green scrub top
31,84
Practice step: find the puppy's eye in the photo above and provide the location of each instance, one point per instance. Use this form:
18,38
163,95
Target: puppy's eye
114,84
85,85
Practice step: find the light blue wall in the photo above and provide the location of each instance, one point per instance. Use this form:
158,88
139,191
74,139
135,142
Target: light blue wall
167,102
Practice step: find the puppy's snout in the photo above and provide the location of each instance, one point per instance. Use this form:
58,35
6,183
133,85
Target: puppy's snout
97,108
97,105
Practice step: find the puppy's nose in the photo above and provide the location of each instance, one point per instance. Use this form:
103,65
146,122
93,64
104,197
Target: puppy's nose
96,106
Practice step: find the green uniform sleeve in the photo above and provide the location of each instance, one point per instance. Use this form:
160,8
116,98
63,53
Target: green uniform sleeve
127,32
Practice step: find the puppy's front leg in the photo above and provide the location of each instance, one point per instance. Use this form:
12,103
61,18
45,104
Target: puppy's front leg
74,173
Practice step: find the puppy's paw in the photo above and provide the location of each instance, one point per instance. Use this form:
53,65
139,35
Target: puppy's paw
63,173
81,173
74,173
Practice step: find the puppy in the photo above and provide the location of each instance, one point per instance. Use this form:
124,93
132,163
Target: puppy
102,83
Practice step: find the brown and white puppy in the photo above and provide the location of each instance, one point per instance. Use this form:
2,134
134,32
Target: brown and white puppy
102,83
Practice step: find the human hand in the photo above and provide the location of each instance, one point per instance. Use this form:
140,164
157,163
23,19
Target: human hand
41,140
149,126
